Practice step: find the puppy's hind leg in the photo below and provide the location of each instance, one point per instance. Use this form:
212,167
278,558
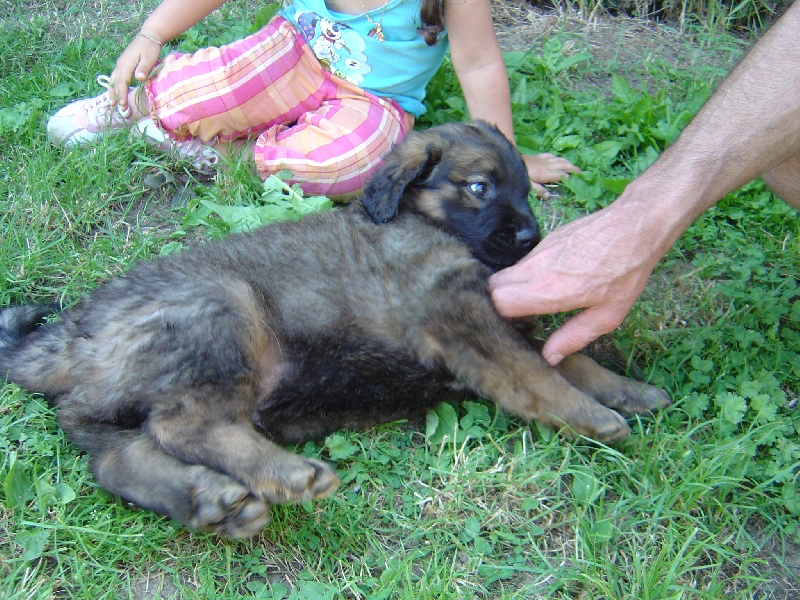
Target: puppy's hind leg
128,463
203,432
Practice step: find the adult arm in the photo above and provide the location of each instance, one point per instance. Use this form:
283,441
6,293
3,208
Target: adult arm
601,263
170,19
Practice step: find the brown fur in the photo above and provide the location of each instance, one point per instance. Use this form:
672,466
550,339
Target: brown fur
181,378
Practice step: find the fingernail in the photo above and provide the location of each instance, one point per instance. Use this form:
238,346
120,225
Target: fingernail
554,359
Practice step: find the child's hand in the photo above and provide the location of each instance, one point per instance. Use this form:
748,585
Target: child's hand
136,61
547,168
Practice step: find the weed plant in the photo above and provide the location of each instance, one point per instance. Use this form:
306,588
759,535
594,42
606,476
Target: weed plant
701,502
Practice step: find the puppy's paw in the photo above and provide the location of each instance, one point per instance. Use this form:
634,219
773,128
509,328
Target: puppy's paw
316,480
224,506
634,398
611,429
297,480
601,424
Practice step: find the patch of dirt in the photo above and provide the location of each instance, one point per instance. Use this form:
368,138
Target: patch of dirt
617,45
781,568
155,586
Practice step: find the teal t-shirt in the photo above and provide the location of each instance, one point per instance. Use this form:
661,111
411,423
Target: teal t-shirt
398,68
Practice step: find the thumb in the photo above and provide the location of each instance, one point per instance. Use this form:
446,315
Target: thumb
143,69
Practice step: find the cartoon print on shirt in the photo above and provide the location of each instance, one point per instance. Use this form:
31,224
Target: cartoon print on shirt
354,67
338,47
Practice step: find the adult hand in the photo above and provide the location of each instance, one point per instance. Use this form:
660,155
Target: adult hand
599,263
547,168
137,60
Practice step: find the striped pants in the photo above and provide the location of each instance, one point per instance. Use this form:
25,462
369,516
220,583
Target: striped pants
328,132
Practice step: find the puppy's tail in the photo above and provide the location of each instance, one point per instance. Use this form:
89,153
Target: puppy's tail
16,322
27,349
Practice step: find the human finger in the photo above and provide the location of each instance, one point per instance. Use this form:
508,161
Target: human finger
520,299
547,168
115,91
579,331
540,191
136,61
559,162
145,66
536,286
120,79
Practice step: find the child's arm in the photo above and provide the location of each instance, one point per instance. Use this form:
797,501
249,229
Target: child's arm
170,19
478,62
481,71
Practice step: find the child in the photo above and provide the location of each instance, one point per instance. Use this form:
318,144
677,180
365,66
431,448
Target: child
324,89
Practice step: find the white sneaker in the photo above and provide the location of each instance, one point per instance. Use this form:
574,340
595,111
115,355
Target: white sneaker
84,121
203,157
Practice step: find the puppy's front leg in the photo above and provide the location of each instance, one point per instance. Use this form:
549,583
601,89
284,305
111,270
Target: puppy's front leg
464,333
626,396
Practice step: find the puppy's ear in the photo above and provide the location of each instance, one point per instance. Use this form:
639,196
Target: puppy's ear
409,163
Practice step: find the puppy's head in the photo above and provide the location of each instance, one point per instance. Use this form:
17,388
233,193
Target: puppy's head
466,178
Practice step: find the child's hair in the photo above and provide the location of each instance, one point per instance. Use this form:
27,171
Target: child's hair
432,15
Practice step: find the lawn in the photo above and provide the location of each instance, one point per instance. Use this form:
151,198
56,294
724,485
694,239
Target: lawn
701,502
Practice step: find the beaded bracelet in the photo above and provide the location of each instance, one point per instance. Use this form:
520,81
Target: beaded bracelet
152,38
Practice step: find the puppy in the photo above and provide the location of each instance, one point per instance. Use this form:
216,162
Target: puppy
182,378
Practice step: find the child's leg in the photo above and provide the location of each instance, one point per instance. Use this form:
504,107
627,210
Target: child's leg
239,90
334,149
213,94
329,133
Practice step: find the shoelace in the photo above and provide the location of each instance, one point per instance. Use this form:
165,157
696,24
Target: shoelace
103,104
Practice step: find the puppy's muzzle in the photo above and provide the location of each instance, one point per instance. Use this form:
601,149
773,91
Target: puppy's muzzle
527,238
516,239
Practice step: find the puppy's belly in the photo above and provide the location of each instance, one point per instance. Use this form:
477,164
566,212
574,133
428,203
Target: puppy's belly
334,387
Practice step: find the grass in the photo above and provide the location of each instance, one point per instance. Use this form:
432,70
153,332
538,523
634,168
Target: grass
701,502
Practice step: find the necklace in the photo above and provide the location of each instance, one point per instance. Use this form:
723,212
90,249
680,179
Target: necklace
377,29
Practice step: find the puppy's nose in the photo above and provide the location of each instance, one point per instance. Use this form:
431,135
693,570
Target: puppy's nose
527,237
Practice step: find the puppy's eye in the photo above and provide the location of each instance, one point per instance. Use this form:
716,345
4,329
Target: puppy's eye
479,188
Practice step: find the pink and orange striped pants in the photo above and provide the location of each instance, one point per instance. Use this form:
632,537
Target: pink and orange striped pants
328,132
